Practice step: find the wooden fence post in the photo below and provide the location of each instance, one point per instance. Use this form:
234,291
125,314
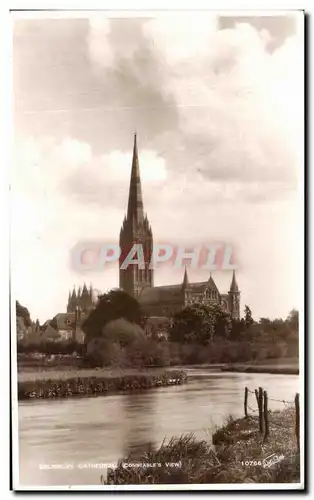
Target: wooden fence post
266,421
260,410
246,392
297,419
256,395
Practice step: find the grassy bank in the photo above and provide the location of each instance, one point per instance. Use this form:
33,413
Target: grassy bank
87,385
289,366
69,373
239,455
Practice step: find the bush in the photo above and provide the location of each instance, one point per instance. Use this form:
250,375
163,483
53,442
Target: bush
123,332
125,344
148,352
101,352
111,306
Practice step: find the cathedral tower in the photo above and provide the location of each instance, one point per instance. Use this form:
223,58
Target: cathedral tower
72,300
135,230
85,301
234,298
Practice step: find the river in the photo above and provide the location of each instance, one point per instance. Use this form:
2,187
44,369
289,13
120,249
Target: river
66,441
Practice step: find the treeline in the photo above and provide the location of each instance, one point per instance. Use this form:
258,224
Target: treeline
205,324
22,312
115,336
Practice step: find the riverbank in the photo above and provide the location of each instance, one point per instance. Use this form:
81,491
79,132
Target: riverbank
86,384
276,370
282,366
237,454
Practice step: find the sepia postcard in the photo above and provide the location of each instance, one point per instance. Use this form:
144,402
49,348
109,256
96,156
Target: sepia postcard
157,250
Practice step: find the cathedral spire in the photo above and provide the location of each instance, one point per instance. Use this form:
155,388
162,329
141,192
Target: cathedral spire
185,282
135,204
234,285
135,230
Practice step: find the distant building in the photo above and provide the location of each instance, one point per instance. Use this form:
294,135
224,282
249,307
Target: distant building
49,334
66,326
169,299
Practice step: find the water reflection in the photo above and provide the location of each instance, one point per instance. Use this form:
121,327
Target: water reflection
106,429
139,418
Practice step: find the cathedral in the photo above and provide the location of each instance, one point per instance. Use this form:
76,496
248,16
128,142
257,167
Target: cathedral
163,301
83,299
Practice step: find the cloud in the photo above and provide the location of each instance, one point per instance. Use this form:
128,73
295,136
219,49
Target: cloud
219,122
238,103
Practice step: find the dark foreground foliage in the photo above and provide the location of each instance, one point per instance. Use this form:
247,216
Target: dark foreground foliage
239,456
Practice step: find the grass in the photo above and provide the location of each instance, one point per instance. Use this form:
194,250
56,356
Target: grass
239,444
288,366
275,370
63,373
56,374
238,456
276,362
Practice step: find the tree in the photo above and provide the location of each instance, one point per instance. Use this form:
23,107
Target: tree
248,320
237,329
111,306
264,321
23,312
102,352
222,321
125,344
123,332
200,324
293,320
192,324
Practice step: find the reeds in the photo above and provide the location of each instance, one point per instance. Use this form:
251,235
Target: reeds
239,456
95,385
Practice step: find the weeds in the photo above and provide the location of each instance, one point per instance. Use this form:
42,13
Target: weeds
239,456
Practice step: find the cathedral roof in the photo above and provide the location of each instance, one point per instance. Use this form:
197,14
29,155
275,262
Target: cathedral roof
169,293
212,285
157,294
64,321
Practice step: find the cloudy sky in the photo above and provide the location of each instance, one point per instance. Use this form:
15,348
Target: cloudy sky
217,106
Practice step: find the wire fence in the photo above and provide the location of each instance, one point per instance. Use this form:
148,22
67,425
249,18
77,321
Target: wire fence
263,411
273,399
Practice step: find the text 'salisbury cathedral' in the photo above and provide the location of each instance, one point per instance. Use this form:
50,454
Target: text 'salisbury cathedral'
161,300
